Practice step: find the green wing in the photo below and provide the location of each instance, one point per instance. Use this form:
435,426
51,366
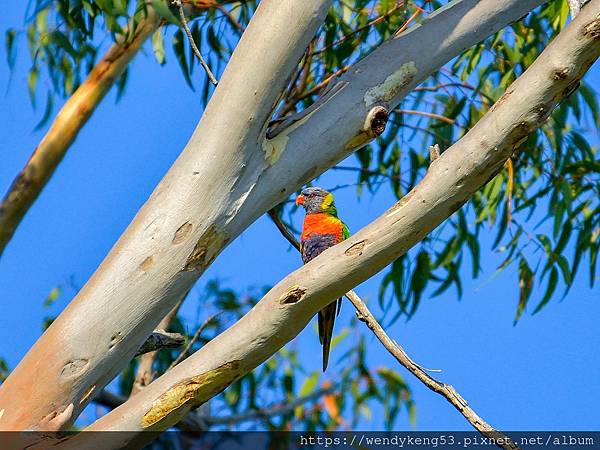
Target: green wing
345,231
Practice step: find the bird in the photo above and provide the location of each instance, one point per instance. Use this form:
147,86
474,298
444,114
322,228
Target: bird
322,229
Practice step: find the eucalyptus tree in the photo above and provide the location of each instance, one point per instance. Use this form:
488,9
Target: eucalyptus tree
495,85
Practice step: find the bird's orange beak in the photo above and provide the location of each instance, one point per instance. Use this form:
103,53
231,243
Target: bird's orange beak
300,200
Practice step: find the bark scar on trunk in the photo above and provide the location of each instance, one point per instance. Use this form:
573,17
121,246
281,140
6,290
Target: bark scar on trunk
182,233
56,419
203,252
191,393
400,203
293,295
592,29
392,85
376,121
356,249
74,367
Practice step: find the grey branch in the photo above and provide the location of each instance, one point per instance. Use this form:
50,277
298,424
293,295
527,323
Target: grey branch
161,339
186,27
197,334
198,422
445,390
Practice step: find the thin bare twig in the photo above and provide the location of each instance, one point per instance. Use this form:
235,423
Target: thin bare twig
145,374
199,331
410,19
275,410
439,86
186,27
426,114
232,20
283,229
369,24
446,390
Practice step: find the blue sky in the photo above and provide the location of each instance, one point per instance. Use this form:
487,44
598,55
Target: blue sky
541,374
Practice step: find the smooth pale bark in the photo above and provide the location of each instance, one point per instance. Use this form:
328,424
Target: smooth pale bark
450,181
160,255
227,176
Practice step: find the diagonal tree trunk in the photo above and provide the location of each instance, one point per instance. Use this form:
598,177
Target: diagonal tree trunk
71,118
255,76
229,174
451,181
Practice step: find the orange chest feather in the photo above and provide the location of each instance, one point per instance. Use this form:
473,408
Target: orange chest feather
321,224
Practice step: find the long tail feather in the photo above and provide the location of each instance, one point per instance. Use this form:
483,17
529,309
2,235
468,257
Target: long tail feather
326,321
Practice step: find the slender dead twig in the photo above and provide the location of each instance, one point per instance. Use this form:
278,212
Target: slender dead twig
283,229
275,410
430,115
369,24
186,27
145,374
199,331
445,390
232,20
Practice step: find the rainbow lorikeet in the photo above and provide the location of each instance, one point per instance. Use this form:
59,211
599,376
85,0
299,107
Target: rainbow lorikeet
322,229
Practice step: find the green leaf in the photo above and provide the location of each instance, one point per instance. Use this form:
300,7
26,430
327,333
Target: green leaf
309,384
10,47
525,287
338,338
58,37
47,111
473,245
31,83
158,46
549,290
179,48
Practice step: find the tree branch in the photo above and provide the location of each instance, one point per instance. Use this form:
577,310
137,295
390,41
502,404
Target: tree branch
426,114
575,6
286,309
199,207
232,20
199,422
71,118
186,27
283,229
160,339
197,334
144,374
445,390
